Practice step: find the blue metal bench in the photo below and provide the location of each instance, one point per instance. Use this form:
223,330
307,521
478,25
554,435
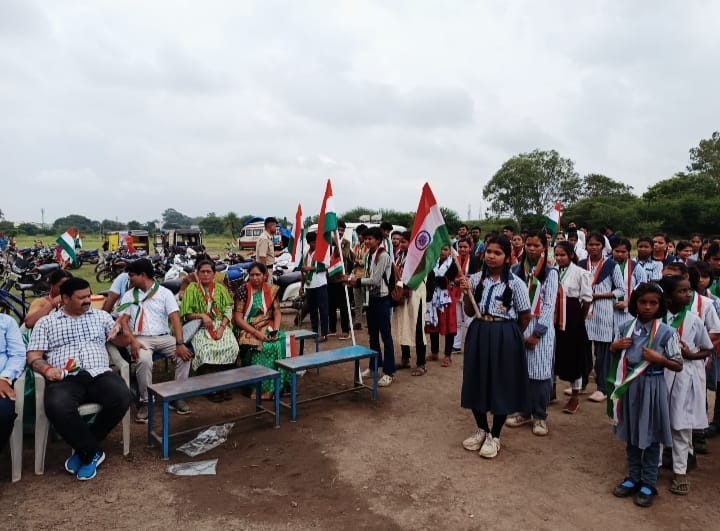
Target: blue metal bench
321,359
167,392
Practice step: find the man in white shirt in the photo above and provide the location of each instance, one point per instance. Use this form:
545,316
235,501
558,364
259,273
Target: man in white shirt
315,289
144,312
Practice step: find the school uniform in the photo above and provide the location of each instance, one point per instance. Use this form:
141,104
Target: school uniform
540,359
633,275
467,267
495,376
600,319
571,339
653,268
687,388
644,409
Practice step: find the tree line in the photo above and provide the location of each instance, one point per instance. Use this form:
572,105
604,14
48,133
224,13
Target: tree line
520,193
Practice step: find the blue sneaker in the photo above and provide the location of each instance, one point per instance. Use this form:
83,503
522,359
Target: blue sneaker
89,470
73,463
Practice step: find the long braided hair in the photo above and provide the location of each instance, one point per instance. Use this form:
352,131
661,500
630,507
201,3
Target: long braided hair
506,247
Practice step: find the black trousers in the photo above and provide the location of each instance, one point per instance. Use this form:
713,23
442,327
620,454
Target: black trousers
63,398
7,420
420,347
336,296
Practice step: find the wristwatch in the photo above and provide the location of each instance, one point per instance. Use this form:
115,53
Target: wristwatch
179,342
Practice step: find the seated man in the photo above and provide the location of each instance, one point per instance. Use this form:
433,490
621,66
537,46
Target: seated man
67,347
144,312
12,365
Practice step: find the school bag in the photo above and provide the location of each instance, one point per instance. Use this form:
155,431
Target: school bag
398,294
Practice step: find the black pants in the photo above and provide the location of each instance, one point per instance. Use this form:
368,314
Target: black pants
435,343
63,398
7,420
420,348
336,296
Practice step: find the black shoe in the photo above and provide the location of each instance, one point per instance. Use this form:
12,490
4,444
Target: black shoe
691,462
643,499
666,459
711,431
626,488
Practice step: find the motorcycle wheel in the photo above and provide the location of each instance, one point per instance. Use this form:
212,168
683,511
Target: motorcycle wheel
76,264
105,275
99,266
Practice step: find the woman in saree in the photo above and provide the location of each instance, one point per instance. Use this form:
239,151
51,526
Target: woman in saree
258,318
214,344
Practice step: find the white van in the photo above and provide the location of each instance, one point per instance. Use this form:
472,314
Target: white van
251,232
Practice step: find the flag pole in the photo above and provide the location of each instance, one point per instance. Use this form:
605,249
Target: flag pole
338,248
469,292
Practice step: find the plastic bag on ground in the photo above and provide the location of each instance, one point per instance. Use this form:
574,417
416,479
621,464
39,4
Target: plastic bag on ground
198,468
206,440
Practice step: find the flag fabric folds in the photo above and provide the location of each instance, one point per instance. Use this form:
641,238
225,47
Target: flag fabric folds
327,226
552,223
295,243
66,241
429,236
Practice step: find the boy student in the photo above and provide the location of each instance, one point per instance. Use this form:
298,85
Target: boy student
684,251
660,252
380,263
478,248
653,268
462,233
315,288
633,275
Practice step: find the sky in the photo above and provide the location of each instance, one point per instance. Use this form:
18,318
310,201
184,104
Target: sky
120,109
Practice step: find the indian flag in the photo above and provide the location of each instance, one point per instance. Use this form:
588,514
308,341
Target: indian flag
336,266
429,236
78,241
66,241
327,226
296,240
552,223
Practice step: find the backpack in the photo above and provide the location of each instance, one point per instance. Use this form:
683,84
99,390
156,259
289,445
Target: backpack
398,294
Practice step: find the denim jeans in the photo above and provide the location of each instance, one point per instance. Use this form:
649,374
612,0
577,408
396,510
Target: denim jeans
539,391
7,420
61,405
643,464
378,323
317,300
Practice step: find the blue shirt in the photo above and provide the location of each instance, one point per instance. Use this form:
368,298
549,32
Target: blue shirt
12,349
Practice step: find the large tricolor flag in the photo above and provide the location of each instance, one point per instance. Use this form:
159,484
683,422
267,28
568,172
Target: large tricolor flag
327,226
66,241
552,223
295,243
429,236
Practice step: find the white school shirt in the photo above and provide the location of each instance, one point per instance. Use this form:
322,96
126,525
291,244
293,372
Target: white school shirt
577,283
157,311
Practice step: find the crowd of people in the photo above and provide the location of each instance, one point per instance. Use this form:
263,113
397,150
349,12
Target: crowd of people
523,309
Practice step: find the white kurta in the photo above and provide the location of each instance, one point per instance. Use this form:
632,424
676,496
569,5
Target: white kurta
405,317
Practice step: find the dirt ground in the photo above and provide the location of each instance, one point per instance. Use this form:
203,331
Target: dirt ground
352,463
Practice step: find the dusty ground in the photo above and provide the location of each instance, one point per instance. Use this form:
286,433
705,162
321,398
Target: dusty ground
351,463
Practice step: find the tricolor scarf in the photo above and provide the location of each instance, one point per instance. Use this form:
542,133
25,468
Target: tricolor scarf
207,295
603,269
464,263
715,288
696,305
267,300
678,321
621,375
626,268
139,320
534,288
561,305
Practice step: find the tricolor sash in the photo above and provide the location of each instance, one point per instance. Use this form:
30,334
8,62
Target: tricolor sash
534,288
267,300
696,305
139,319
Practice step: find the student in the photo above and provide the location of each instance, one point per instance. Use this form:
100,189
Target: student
578,245
462,233
359,251
469,264
495,376
687,387
696,242
632,275
542,283
607,286
661,252
315,289
684,252
572,345
478,247
641,412
653,268
440,315
508,231
518,249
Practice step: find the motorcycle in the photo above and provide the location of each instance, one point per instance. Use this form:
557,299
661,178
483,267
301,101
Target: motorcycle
27,276
112,267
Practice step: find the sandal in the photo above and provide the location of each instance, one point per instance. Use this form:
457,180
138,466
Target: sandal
681,488
446,362
420,370
433,357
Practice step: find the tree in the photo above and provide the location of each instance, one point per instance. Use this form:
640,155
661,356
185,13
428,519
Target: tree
28,228
81,223
532,182
110,225
134,225
598,185
232,223
172,219
682,184
212,224
355,213
705,159
398,218
452,219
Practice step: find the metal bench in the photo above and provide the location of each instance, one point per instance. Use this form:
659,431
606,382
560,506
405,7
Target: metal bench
321,359
167,392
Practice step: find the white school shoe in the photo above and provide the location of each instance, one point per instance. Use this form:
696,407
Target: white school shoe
366,373
386,380
490,447
597,396
539,427
516,420
475,441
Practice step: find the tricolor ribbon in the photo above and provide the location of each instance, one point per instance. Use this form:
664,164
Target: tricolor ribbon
534,284
139,320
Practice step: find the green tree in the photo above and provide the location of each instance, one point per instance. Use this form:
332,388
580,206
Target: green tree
110,225
532,183
81,223
134,225
452,219
172,219
29,229
680,184
212,224
355,213
398,218
598,185
705,159
233,223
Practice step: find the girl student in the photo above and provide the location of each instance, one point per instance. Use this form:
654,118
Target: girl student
687,387
542,284
652,267
696,242
607,285
572,345
640,405
495,376
468,264
440,315
518,249
684,251
632,275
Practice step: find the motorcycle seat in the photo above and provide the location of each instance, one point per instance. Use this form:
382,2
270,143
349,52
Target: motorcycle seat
25,287
45,269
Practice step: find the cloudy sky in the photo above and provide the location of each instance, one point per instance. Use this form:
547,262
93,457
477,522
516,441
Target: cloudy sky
120,109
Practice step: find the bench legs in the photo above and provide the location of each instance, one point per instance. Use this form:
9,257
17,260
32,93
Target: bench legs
277,401
151,418
293,396
375,379
166,429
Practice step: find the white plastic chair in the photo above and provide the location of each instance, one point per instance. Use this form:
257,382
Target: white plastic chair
16,438
42,426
